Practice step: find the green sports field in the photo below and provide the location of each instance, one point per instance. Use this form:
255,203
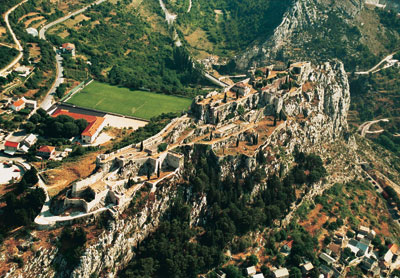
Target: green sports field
120,100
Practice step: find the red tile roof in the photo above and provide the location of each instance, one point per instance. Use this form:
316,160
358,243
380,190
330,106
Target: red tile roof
46,149
68,46
394,248
290,244
91,129
19,102
93,122
11,144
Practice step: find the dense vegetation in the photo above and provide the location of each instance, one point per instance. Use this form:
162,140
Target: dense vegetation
71,245
60,127
179,251
142,58
7,55
238,23
376,96
23,204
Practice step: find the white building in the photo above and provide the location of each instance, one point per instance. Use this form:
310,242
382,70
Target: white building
281,273
32,31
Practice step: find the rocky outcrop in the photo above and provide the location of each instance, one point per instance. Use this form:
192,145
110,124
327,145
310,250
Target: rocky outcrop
297,28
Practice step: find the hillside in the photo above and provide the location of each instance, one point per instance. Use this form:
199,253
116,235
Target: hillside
354,32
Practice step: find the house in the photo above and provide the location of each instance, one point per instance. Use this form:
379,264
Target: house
11,147
22,103
366,232
251,270
46,151
326,258
258,275
93,129
220,274
30,140
281,273
241,89
68,48
393,250
329,272
32,31
18,105
287,247
305,268
363,249
352,244
23,71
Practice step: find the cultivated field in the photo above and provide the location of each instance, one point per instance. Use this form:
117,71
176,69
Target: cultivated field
120,100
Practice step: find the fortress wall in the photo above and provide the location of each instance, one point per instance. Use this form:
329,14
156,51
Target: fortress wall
76,203
79,186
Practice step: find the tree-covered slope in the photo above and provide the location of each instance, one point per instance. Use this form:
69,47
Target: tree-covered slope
224,27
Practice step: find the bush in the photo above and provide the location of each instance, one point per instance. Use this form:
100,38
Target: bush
162,147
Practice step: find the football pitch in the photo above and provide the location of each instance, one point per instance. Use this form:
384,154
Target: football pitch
123,101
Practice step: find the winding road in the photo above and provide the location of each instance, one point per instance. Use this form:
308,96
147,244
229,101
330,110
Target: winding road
375,68
364,128
17,43
49,98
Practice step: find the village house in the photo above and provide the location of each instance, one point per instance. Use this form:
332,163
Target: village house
287,247
281,273
11,147
30,139
220,274
68,48
22,103
95,124
306,268
327,259
370,265
251,270
23,71
18,105
46,152
391,257
258,275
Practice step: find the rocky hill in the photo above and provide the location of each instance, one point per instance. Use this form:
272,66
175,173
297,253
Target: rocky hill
300,109
351,31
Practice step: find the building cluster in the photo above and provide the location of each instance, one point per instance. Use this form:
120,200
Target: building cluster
19,144
333,262
362,253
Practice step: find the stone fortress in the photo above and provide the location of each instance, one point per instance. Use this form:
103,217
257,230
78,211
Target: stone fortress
240,120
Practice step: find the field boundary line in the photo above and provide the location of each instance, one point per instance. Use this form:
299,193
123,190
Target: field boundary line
104,112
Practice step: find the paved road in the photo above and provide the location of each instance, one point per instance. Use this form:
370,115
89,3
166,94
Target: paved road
49,99
364,128
51,24
375,68
17,43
